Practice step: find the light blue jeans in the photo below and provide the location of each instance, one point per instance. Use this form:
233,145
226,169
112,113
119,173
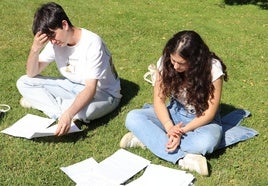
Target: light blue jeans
145,125
54,95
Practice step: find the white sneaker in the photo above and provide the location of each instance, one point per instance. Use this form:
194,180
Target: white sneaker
194,162
24,103
129,140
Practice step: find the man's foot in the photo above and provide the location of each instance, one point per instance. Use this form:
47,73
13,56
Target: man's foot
129,140
24,103
194,162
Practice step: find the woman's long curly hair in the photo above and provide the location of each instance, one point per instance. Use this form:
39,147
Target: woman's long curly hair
197,79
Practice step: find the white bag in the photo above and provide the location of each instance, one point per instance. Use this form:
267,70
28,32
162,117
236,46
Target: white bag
150,76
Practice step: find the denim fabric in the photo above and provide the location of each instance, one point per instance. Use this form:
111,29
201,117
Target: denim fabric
145,125
54,95
232,131
220,133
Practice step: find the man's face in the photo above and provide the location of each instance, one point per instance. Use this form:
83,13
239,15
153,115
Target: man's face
59,37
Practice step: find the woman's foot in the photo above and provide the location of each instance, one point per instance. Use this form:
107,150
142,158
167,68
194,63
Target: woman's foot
129,140
194,162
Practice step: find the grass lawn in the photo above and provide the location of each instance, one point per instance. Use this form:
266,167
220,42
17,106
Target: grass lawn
135,32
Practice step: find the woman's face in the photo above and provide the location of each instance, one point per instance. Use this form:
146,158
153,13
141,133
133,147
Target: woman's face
179,64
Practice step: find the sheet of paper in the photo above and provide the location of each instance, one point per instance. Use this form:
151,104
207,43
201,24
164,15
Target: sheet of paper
31,126
82,174
112,171
121,166
28,125
51,130
160,175
81,170
96,181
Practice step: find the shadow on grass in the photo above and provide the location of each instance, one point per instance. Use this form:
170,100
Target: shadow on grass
216,154
2,114
128,90
263,4
225,109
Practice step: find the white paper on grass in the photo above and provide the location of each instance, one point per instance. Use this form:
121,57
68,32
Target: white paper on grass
32,126
160,175
121,166
82,172
114,170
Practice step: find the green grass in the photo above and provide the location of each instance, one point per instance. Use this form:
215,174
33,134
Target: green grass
135,32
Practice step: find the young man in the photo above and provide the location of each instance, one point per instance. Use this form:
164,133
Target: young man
90,86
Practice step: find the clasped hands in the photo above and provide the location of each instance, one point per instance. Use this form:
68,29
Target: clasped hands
174,137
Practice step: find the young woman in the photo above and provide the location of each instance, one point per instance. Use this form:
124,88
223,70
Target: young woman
188,127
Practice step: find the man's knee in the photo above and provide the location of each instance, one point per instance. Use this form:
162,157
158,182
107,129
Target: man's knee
22,83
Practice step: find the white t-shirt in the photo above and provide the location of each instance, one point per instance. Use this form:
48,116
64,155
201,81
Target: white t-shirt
88,59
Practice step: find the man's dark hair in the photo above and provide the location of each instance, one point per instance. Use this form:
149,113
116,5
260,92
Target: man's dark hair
49,16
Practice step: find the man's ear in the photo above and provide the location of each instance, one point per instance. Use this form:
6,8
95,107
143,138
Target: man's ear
65,25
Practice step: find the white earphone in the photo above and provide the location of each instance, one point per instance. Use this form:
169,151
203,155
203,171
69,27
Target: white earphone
4,108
